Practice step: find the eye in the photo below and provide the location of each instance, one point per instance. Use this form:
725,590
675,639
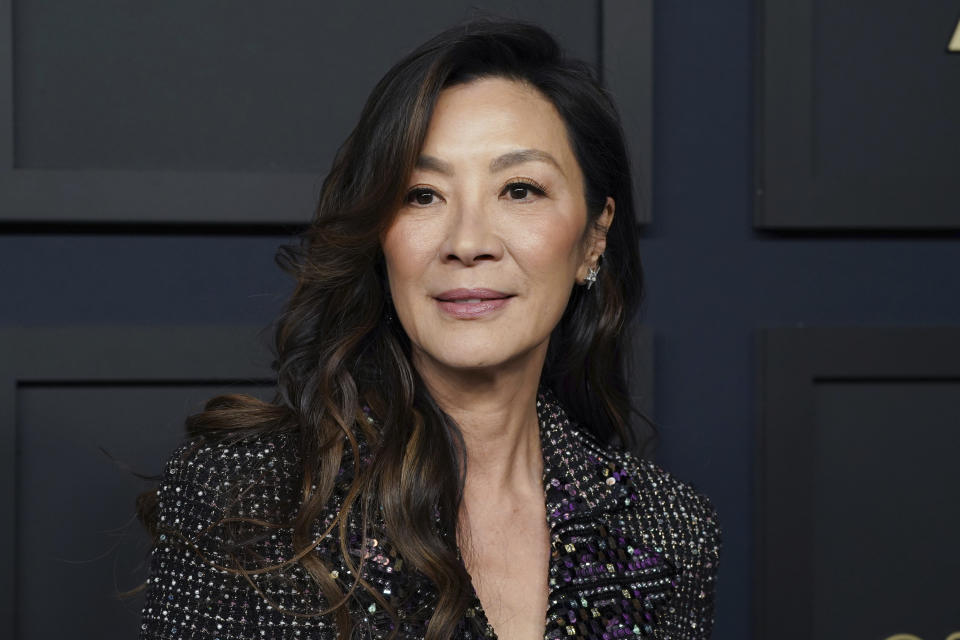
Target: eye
421,196
522,189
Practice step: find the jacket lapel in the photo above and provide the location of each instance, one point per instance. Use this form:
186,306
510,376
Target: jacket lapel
603,582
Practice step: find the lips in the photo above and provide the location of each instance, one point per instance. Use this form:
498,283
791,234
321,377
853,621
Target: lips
472,295
471,304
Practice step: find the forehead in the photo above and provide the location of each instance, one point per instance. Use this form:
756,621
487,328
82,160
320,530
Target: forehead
495,115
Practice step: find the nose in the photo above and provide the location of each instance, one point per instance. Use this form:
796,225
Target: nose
471,235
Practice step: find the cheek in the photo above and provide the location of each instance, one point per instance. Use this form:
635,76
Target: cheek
406,251
550,251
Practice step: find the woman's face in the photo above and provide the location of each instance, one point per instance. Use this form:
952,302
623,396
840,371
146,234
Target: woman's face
491,239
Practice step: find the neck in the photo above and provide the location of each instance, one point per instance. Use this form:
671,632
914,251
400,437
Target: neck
497,415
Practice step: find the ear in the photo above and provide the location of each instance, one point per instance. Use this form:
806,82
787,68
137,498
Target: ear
597,239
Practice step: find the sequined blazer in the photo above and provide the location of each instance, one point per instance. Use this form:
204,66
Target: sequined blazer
634,549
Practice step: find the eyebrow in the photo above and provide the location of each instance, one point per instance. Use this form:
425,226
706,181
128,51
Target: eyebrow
519,157
505,161
430,163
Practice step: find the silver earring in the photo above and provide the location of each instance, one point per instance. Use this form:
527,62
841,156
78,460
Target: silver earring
591,276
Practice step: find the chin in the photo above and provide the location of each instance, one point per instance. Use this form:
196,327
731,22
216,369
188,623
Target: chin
477,356
467,361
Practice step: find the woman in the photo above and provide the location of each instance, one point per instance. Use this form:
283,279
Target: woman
443,458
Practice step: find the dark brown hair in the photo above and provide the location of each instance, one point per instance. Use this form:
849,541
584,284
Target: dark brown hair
337,350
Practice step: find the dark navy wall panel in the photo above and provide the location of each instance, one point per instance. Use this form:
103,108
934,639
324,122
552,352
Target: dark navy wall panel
121,278
179,112
713,280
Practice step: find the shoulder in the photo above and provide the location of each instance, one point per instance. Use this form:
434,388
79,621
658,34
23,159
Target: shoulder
221,508
204,480
671,493
674,513
681,503
678,522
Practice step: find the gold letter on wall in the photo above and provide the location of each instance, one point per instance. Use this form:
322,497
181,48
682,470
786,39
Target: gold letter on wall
955,40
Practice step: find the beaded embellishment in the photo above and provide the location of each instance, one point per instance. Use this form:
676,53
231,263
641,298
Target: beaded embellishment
634,551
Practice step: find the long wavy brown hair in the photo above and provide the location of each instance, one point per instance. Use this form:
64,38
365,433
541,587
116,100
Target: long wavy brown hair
337,347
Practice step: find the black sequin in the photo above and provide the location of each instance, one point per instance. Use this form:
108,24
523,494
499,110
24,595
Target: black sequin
634,549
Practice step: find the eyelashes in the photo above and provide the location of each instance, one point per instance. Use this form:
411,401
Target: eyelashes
417,195
524,184
522,187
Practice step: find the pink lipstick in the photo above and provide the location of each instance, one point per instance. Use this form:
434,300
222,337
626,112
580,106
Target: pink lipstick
472,303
